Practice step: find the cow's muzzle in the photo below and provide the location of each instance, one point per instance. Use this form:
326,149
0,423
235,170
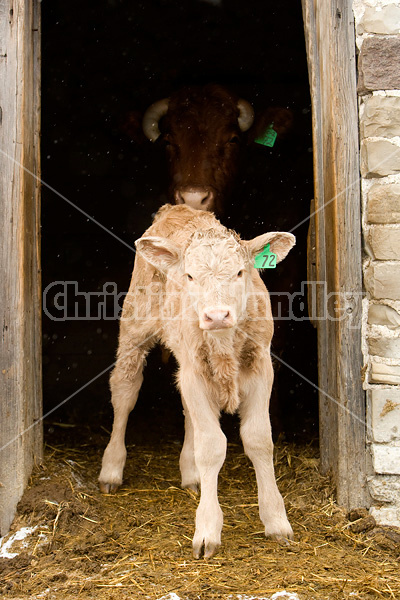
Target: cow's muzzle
214,318
197,197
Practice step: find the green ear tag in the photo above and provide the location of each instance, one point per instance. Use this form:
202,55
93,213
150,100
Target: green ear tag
268,137
265,259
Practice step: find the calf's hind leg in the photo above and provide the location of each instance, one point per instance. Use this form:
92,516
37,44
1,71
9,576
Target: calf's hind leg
189,472
125,381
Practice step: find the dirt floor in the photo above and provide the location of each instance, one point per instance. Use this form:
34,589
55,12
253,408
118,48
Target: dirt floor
137,543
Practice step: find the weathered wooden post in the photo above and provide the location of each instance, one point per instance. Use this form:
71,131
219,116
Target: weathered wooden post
330,42
20,348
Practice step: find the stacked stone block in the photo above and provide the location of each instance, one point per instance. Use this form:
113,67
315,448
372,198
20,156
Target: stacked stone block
378,40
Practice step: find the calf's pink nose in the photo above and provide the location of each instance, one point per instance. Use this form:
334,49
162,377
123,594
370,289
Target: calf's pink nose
217,318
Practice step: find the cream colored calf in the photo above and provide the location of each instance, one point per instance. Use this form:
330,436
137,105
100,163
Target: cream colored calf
194,288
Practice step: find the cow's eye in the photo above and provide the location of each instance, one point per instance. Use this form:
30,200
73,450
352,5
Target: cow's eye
190,278
234,139
240,274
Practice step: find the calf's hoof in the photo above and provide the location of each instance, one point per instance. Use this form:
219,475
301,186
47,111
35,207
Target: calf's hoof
283,541
281,534
108,488
193,487
208,549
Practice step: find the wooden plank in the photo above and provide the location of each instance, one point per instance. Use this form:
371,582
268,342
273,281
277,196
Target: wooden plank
319,225
20,350
329,32
311,264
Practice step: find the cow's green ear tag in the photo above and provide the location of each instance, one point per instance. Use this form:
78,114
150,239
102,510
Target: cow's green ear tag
265,259
268,137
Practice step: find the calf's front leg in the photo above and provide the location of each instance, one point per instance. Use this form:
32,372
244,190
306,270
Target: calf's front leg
209,455
125,381
255,431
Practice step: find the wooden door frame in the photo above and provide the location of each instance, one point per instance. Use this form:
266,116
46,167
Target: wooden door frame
20,291
329,32
331,54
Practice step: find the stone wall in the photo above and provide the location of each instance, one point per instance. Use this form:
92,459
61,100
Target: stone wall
378,40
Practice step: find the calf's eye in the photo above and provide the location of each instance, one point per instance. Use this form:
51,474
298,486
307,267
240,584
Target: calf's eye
240,273
190,278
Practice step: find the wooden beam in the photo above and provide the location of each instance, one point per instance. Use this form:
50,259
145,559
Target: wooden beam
330,43
20,305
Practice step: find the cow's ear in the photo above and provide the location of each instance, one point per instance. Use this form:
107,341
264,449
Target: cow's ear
159,252
280,243
280,119
131,126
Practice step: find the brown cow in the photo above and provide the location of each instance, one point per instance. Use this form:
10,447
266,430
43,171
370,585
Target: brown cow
195,289
204,129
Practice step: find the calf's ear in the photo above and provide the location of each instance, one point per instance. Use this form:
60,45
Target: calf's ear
280,243
158,251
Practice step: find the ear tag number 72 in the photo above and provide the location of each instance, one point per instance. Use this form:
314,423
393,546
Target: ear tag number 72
265,259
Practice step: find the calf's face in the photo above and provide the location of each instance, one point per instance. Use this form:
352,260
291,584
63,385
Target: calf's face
216,277
214,273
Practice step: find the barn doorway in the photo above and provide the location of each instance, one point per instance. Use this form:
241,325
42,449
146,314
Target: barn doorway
112,63
86,157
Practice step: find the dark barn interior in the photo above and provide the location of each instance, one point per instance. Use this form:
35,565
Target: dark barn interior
104,63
